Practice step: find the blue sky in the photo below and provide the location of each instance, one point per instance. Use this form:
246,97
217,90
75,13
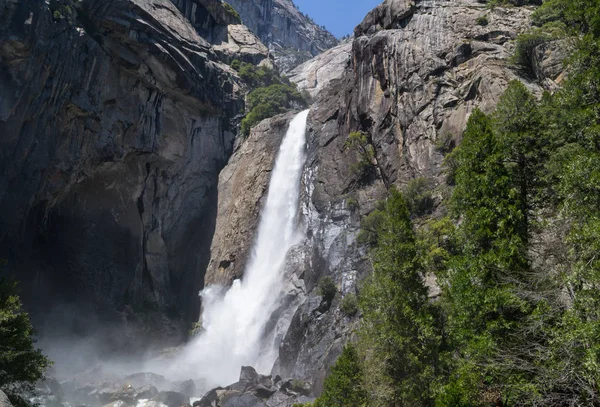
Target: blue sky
339,16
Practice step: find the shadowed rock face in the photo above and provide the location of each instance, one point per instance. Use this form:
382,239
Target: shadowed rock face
115,120
230,39
292,37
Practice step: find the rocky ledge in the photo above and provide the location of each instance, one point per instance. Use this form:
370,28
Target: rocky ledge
255,390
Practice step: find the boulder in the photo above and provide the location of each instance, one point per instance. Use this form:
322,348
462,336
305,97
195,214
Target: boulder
256,390
4,401
141,380
248,374
210,399
187,388
108,395
241,400
171,398
145,392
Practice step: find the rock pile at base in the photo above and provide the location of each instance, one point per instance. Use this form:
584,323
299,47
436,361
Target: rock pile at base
256,390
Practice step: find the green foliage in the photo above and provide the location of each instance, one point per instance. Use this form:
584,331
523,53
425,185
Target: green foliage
525,48
21,364
270,94
361,145
419,196
62,12
581,16
445,143
269,101
278,95
349,305
195,329
343,387
437,244
370,226
231,11
236,64
483,21
398,337
450,165
257,76
550,27
327,289
351,203
496,163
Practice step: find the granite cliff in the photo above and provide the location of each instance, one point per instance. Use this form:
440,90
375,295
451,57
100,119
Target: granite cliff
291,36
409,80
116,118
124,188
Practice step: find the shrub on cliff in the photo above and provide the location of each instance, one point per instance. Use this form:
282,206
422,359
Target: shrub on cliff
256,76
231,11
270,94
361,145
265,102
349,305
419,196
21,364
327,289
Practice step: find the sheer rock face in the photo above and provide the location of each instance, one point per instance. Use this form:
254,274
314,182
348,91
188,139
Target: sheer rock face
316,74
115,120
292,37
243,184
231,40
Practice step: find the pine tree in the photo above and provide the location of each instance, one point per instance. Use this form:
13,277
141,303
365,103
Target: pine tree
344,385
21,364
398,336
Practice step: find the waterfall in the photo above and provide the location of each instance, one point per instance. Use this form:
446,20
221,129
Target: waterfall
234,321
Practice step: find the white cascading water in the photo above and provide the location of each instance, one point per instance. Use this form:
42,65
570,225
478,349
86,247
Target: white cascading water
234,321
